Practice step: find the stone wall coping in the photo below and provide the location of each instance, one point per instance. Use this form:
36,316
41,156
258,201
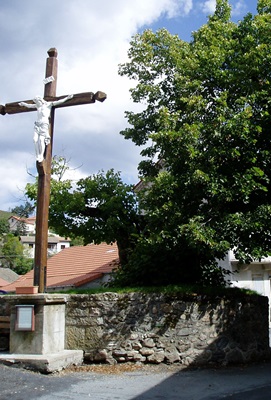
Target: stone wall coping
184,297
40,298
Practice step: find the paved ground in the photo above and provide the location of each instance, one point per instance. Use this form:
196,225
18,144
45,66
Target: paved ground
147,383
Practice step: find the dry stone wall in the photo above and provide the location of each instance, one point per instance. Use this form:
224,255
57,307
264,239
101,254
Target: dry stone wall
155,328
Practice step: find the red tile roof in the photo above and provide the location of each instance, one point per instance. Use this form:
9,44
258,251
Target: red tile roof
75,266
3,282
30,220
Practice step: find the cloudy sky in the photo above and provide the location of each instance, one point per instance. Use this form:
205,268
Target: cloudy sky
92,38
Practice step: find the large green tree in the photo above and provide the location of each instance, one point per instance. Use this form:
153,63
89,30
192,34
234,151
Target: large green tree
99,208
207,120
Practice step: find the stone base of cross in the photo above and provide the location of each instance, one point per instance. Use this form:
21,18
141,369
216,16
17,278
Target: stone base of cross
44,163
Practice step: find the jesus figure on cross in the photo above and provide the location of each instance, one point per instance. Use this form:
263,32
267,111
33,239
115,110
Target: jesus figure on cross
41,126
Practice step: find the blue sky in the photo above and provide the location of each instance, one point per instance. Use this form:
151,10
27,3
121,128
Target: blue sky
184,24
92,38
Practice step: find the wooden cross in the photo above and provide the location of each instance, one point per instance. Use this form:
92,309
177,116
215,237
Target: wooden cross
44,167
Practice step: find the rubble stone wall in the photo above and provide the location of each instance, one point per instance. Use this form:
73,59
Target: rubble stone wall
156,328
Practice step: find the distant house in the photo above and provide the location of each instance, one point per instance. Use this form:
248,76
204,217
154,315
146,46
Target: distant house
76,267
55,243
29,224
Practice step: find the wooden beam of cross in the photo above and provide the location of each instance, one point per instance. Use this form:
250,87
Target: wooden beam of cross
44,165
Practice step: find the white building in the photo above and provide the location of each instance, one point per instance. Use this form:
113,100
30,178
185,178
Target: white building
55,242
29,224
255,276
55,245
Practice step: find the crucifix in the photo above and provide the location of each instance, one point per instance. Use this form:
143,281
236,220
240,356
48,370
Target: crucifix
43,139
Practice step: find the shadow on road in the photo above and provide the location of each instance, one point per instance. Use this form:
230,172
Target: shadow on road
234,383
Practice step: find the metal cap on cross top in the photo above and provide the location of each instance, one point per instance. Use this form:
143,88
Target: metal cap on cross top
52,52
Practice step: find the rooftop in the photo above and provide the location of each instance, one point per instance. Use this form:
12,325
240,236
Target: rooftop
74,266
8,275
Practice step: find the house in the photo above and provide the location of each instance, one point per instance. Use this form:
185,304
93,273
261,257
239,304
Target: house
55,244
75,267
28,225
254,276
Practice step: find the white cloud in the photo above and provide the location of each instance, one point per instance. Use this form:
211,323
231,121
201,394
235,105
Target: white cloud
187,6
13,172
208,6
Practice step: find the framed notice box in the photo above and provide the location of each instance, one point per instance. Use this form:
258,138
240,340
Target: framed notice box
25,318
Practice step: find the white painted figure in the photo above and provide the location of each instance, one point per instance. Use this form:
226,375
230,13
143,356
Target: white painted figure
41,126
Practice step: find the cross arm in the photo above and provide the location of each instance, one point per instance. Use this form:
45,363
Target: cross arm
77,99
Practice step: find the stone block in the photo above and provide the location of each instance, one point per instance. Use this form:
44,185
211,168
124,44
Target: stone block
146,351
148,342
119,353
185,332
49,334
75,337
46,363
94,338
136,345
172,355
157,357
139,358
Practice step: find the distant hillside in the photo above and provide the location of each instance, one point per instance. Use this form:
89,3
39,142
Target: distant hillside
5,214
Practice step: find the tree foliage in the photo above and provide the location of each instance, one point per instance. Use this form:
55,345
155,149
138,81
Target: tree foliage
207,119
99,208
4,226
23,211
12,254
11,249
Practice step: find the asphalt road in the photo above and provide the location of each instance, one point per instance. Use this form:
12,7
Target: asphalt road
161,383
